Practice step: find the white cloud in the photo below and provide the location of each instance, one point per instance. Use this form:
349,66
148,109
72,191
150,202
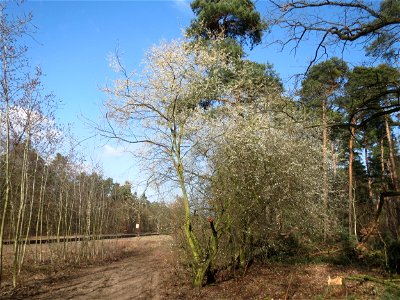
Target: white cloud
28,121
110,151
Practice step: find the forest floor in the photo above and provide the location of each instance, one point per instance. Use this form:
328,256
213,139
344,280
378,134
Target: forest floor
147,271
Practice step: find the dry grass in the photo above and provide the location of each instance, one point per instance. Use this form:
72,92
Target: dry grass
55,260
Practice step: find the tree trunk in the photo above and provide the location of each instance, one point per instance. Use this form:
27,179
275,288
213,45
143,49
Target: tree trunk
395,205
325,165
393,170
367,163
20,215
7,194
351,185
334,159
201,262
28,227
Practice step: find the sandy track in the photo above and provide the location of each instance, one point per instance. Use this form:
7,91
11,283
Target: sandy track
139,276
148,271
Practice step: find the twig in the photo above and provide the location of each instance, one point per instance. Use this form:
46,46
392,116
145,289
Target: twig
287,290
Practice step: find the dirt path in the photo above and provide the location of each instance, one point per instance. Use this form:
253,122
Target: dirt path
148,272
139,276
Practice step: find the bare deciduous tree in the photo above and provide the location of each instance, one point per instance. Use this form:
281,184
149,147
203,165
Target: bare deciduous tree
340,22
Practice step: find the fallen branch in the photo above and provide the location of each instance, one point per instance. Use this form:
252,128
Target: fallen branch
387,282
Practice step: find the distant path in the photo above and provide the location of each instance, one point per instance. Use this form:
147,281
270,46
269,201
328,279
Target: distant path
79,238
137,277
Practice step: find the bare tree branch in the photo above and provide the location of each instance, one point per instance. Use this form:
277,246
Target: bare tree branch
336,22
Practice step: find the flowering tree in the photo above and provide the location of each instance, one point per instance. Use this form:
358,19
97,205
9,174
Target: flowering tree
266,185
157,107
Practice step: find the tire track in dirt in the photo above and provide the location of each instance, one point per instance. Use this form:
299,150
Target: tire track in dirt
137,277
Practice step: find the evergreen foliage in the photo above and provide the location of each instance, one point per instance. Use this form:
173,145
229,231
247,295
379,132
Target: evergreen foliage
236,20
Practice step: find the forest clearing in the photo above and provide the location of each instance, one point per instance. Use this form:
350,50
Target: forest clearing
258,177
143,268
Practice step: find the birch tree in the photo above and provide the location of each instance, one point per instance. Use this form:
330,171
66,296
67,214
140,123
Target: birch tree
13,84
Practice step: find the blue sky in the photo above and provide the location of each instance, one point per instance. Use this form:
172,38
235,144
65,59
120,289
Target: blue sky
74,40
72,43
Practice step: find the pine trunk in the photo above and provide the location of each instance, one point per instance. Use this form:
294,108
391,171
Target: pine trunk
351,184
393,170
325,164
367,163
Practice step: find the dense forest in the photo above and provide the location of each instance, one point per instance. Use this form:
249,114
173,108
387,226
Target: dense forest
263,171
